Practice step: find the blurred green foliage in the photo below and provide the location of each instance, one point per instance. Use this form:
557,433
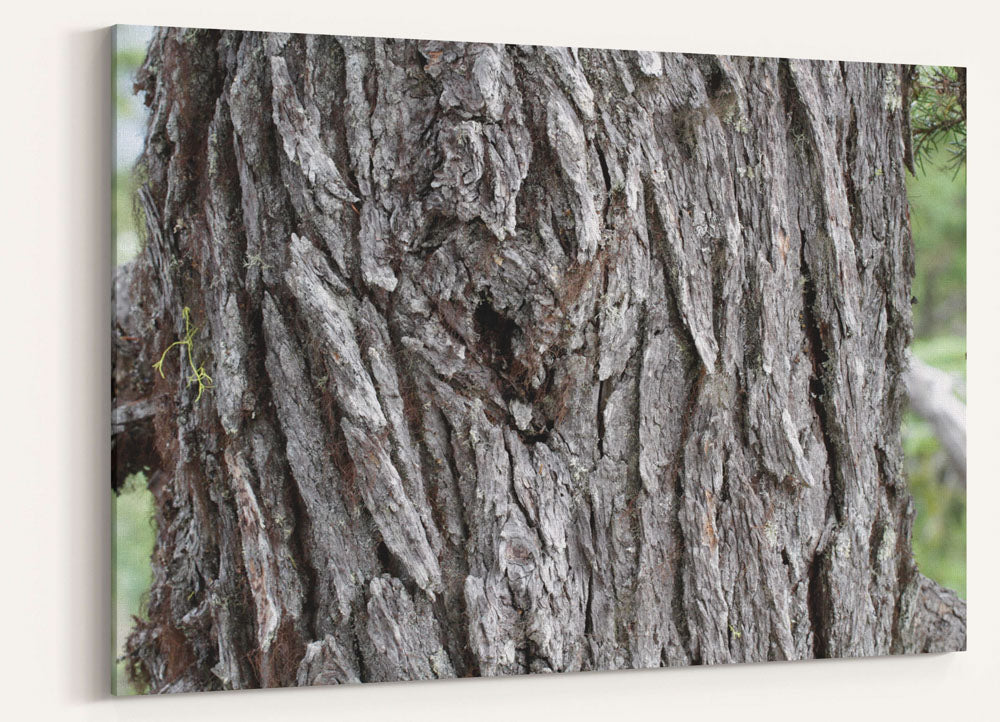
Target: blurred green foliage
937,218
131,572
937,195
129,119
940,527
127,60
132,509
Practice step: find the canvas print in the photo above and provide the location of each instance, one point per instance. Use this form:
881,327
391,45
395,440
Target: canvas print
440,359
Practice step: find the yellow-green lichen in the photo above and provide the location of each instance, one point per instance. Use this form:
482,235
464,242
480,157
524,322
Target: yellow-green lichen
198,374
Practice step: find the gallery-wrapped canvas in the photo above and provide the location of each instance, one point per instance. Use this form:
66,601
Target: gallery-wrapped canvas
442,359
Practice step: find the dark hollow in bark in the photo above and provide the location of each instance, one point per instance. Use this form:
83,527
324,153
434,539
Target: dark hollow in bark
525,359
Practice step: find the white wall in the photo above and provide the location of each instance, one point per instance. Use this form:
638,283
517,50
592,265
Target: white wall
55,266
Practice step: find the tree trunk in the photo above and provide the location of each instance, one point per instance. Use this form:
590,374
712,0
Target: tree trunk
521,359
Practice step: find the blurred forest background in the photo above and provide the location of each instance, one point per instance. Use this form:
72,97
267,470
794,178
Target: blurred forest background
937,215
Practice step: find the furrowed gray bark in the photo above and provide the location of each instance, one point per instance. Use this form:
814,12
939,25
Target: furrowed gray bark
524,359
